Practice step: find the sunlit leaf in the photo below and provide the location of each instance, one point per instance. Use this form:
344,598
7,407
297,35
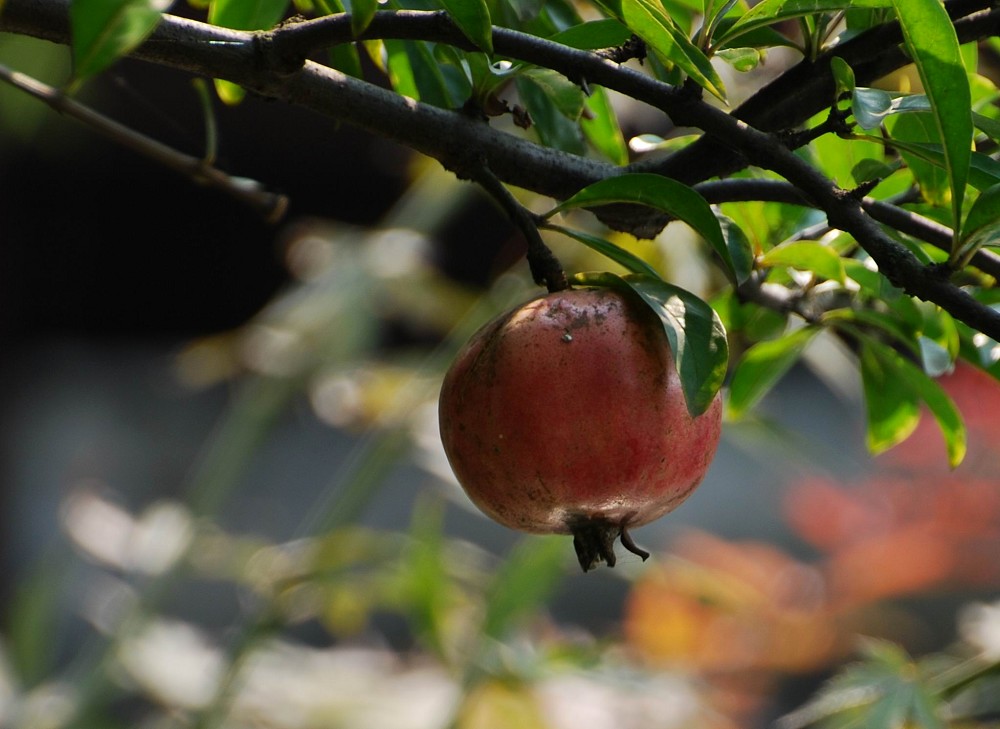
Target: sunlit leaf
868,170
626,259
742,59
931,41
906,383
769,12
565,95
473,18
105,30
596,34
807,256
244,15
929,170
843,75
982,224
695,332
343,56
762,366
600,125
553,127
414,72
984,171
648,20
660,193
362,13
892,408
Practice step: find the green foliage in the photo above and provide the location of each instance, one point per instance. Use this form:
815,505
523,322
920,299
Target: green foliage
933,46
105,30
769,12
762,366
658,29
668,196
473,17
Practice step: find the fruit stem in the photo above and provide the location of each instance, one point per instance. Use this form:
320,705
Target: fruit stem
594,541
545,267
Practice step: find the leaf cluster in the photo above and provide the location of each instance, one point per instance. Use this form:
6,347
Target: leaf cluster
857,211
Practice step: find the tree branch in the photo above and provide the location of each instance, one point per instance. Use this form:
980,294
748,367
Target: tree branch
463,144
885,212
271,206
460,143
807,88
844,212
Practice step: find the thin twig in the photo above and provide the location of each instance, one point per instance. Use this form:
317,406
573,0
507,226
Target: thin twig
453,139
271,205
545,267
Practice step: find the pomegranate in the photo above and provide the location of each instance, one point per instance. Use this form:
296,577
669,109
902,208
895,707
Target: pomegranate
566,416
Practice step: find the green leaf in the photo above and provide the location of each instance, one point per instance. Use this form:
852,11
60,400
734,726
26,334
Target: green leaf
762,366
892,408
553,127
982,224
362,13
105,30
984,171
343,57
626,259
931,41
695,332
414,72
872,282
600,125
661,193
911,383
871,106
892,324
525,581
989,127
807,256
473,18
567,97
243,15
869,169
931,175
593,35
246,14
742,59
739,248
648,21
769,12
843,75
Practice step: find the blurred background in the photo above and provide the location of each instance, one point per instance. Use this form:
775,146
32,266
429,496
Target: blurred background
223,501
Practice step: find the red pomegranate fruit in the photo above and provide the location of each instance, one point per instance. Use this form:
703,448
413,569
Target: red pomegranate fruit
566,415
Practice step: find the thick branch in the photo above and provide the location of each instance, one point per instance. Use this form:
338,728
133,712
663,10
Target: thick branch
457,141
463,144
843,211
807,89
